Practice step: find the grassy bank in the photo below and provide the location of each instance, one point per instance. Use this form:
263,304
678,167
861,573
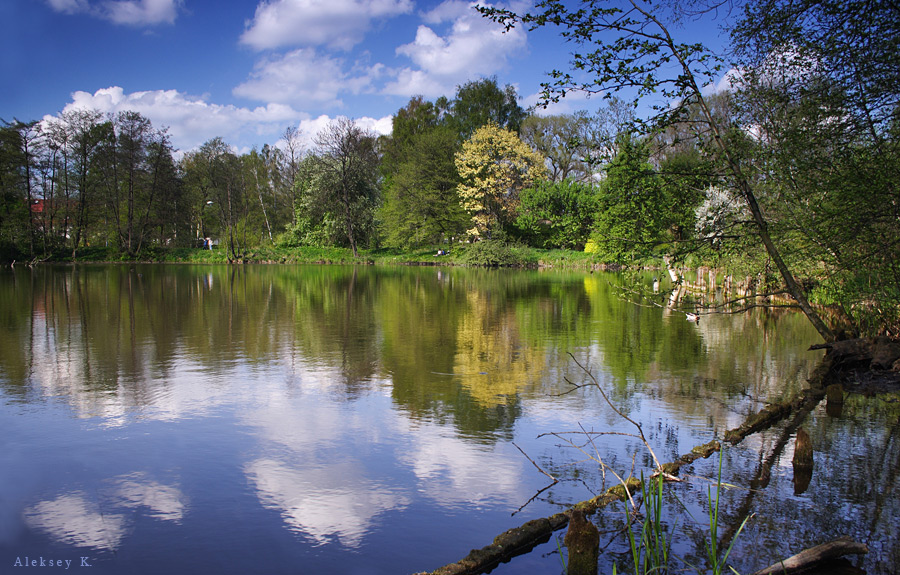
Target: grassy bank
481,254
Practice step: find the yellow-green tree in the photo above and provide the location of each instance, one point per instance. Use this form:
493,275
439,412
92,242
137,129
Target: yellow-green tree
495,165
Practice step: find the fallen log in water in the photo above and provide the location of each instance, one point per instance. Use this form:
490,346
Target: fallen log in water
524,538
811,557
775,412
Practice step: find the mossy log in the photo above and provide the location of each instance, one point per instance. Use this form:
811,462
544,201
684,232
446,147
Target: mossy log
809,558
699,452
524,538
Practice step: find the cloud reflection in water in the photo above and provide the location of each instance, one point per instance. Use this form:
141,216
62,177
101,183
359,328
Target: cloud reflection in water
78,520
74,519
333,500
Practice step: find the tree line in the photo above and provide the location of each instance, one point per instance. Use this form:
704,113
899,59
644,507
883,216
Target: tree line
789,174
84,179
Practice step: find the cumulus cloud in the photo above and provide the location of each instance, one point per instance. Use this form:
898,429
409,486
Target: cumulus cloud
731,80
302,77
310,127
127,12
472,46
337,24
191,120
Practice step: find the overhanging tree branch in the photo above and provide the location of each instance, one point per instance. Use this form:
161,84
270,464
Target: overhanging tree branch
634,49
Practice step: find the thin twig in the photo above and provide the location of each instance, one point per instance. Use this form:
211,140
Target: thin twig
619,413
555,480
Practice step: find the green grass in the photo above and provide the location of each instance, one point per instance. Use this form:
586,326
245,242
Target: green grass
481,254
650,541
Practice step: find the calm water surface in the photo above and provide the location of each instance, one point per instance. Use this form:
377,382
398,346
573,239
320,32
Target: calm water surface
278,419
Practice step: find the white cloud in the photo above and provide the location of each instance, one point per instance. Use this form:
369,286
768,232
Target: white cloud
473,46
310,128
338,24
572,102
732,78
381,126
69,6
141,12
191,120
127,12
302,77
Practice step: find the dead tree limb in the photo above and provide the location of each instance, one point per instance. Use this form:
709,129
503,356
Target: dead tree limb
523,539
775,412
815,555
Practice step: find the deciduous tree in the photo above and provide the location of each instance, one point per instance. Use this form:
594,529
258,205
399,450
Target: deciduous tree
346,177
495,166
630,46
480,102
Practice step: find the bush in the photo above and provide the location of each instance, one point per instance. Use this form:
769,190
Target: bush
491,253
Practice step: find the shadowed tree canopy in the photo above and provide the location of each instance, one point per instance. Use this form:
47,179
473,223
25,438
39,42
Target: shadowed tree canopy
821,82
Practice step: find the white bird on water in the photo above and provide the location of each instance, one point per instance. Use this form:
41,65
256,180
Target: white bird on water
691,316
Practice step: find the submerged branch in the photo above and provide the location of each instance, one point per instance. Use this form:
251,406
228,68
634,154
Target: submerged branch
805,402
523,539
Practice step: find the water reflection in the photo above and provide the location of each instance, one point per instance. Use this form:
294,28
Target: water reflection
137,491
455,474
339,409
331,500
75,519
102,520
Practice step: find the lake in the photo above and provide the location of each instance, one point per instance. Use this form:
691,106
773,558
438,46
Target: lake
367,420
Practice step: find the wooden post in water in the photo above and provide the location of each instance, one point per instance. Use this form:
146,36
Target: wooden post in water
803,461
834,396
583,542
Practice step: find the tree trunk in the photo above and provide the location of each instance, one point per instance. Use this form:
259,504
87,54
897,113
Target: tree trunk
743,185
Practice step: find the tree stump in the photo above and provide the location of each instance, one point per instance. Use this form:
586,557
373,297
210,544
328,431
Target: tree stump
885,352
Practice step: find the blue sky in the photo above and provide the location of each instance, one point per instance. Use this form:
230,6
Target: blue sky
247,70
